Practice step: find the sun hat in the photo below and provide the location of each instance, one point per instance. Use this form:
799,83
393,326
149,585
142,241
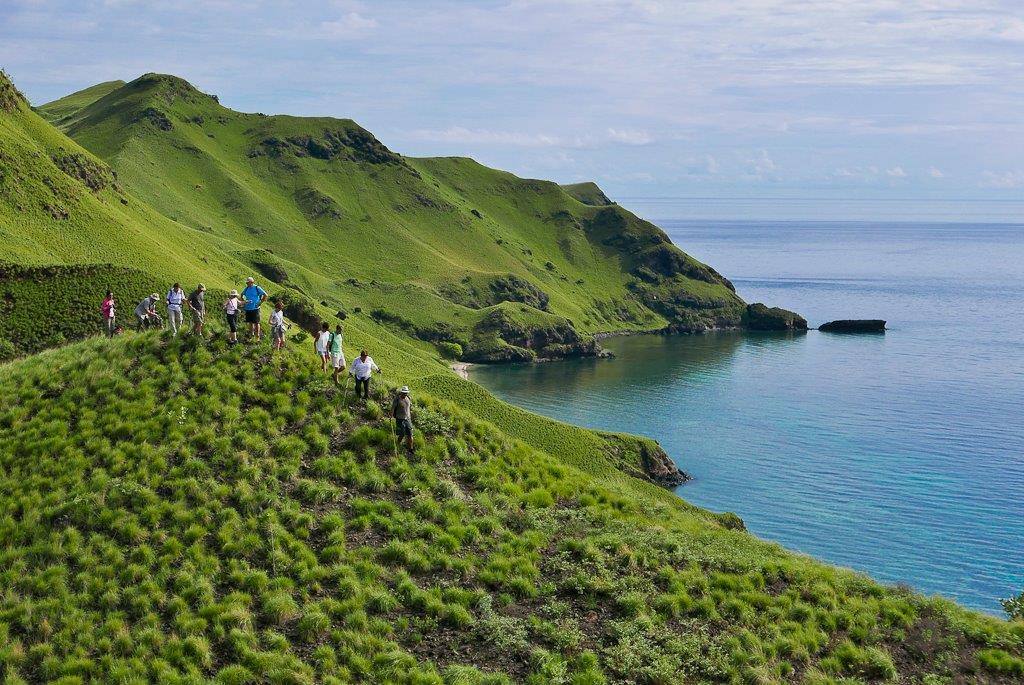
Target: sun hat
154,296
250,280
202,287
233,293
404,390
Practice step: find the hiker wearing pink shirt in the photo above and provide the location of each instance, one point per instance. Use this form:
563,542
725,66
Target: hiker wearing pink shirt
107,310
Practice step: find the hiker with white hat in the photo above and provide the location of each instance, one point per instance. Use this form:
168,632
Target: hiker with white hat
401,409
197,305
145,314
252,297
231,306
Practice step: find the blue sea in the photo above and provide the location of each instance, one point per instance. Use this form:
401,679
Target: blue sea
901,454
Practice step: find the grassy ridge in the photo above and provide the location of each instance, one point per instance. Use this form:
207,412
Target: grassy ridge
386,230
221,513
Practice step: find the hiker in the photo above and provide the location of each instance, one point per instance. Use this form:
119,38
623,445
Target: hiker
401,409
175,298
231,306
252,297
362,368
277,326
337,353
107,310
145,314
320,344
197,305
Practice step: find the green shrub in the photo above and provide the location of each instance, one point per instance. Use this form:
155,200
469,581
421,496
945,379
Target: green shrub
449,349
1000,661
1013,606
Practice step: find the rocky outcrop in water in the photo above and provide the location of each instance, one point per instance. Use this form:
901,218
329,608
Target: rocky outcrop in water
660,468
853,326
759,317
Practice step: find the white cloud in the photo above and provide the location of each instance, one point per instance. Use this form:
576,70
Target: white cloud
629,136
867,172
933,172
1003,180
480,136
348,26
761,166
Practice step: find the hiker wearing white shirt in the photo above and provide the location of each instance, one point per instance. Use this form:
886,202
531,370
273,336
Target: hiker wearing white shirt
320,343
362,368
175,298
277,326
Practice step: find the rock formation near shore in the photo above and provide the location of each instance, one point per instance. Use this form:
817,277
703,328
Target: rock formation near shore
853,326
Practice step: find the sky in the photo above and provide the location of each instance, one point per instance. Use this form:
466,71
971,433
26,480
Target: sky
837,105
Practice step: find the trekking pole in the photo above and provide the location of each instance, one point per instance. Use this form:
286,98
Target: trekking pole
344,394
394,432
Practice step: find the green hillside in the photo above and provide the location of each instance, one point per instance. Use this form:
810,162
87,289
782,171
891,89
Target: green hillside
226,514
430,247
181,511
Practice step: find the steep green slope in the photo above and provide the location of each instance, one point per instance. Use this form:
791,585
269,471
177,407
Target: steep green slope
62,111
61,205
431,245
178,512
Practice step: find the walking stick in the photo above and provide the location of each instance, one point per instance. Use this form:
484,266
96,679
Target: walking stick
394,433
344,394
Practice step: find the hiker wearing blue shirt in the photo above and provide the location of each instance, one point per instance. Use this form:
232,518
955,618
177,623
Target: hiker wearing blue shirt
252,297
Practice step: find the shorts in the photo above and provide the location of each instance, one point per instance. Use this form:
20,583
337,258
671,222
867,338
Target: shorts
403,428
198,317
252,315
232,322
338,360
277,332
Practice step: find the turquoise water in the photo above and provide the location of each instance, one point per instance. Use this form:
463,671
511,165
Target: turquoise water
901,454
